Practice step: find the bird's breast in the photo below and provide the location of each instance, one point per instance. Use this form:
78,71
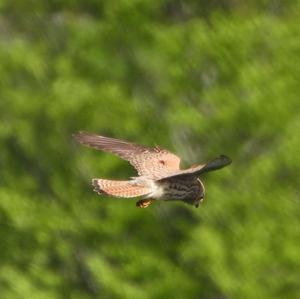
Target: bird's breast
178,189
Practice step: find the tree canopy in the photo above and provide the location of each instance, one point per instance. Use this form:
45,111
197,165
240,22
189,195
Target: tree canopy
200,78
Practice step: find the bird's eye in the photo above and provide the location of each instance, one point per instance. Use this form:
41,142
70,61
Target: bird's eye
162,162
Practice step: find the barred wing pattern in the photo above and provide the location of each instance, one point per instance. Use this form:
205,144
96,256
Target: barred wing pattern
154,163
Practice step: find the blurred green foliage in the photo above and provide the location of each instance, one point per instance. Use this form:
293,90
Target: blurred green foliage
200,78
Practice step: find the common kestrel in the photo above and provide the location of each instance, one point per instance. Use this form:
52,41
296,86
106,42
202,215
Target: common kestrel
160,177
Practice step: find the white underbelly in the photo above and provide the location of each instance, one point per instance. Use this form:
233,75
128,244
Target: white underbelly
157,191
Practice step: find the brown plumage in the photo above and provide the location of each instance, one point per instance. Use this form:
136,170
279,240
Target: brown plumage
160,177
119,188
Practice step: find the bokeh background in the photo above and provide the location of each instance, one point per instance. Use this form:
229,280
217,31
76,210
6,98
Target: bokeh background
201,78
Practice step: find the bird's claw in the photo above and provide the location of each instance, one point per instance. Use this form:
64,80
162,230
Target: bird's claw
144,203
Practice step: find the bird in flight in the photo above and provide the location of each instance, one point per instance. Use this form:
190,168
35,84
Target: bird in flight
159,175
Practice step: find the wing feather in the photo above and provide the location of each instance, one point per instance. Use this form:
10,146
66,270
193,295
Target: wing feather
215,164
152,162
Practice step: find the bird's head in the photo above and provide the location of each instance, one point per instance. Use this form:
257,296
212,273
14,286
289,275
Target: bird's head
201,195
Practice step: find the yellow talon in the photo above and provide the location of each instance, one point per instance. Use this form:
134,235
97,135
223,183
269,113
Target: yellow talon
144,203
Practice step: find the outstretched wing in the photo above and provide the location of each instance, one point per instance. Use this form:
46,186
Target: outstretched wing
152,162
215,164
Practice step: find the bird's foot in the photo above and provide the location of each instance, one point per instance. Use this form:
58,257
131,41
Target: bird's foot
144,203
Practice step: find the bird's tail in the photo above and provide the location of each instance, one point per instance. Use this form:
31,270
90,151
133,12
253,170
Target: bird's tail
119,188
